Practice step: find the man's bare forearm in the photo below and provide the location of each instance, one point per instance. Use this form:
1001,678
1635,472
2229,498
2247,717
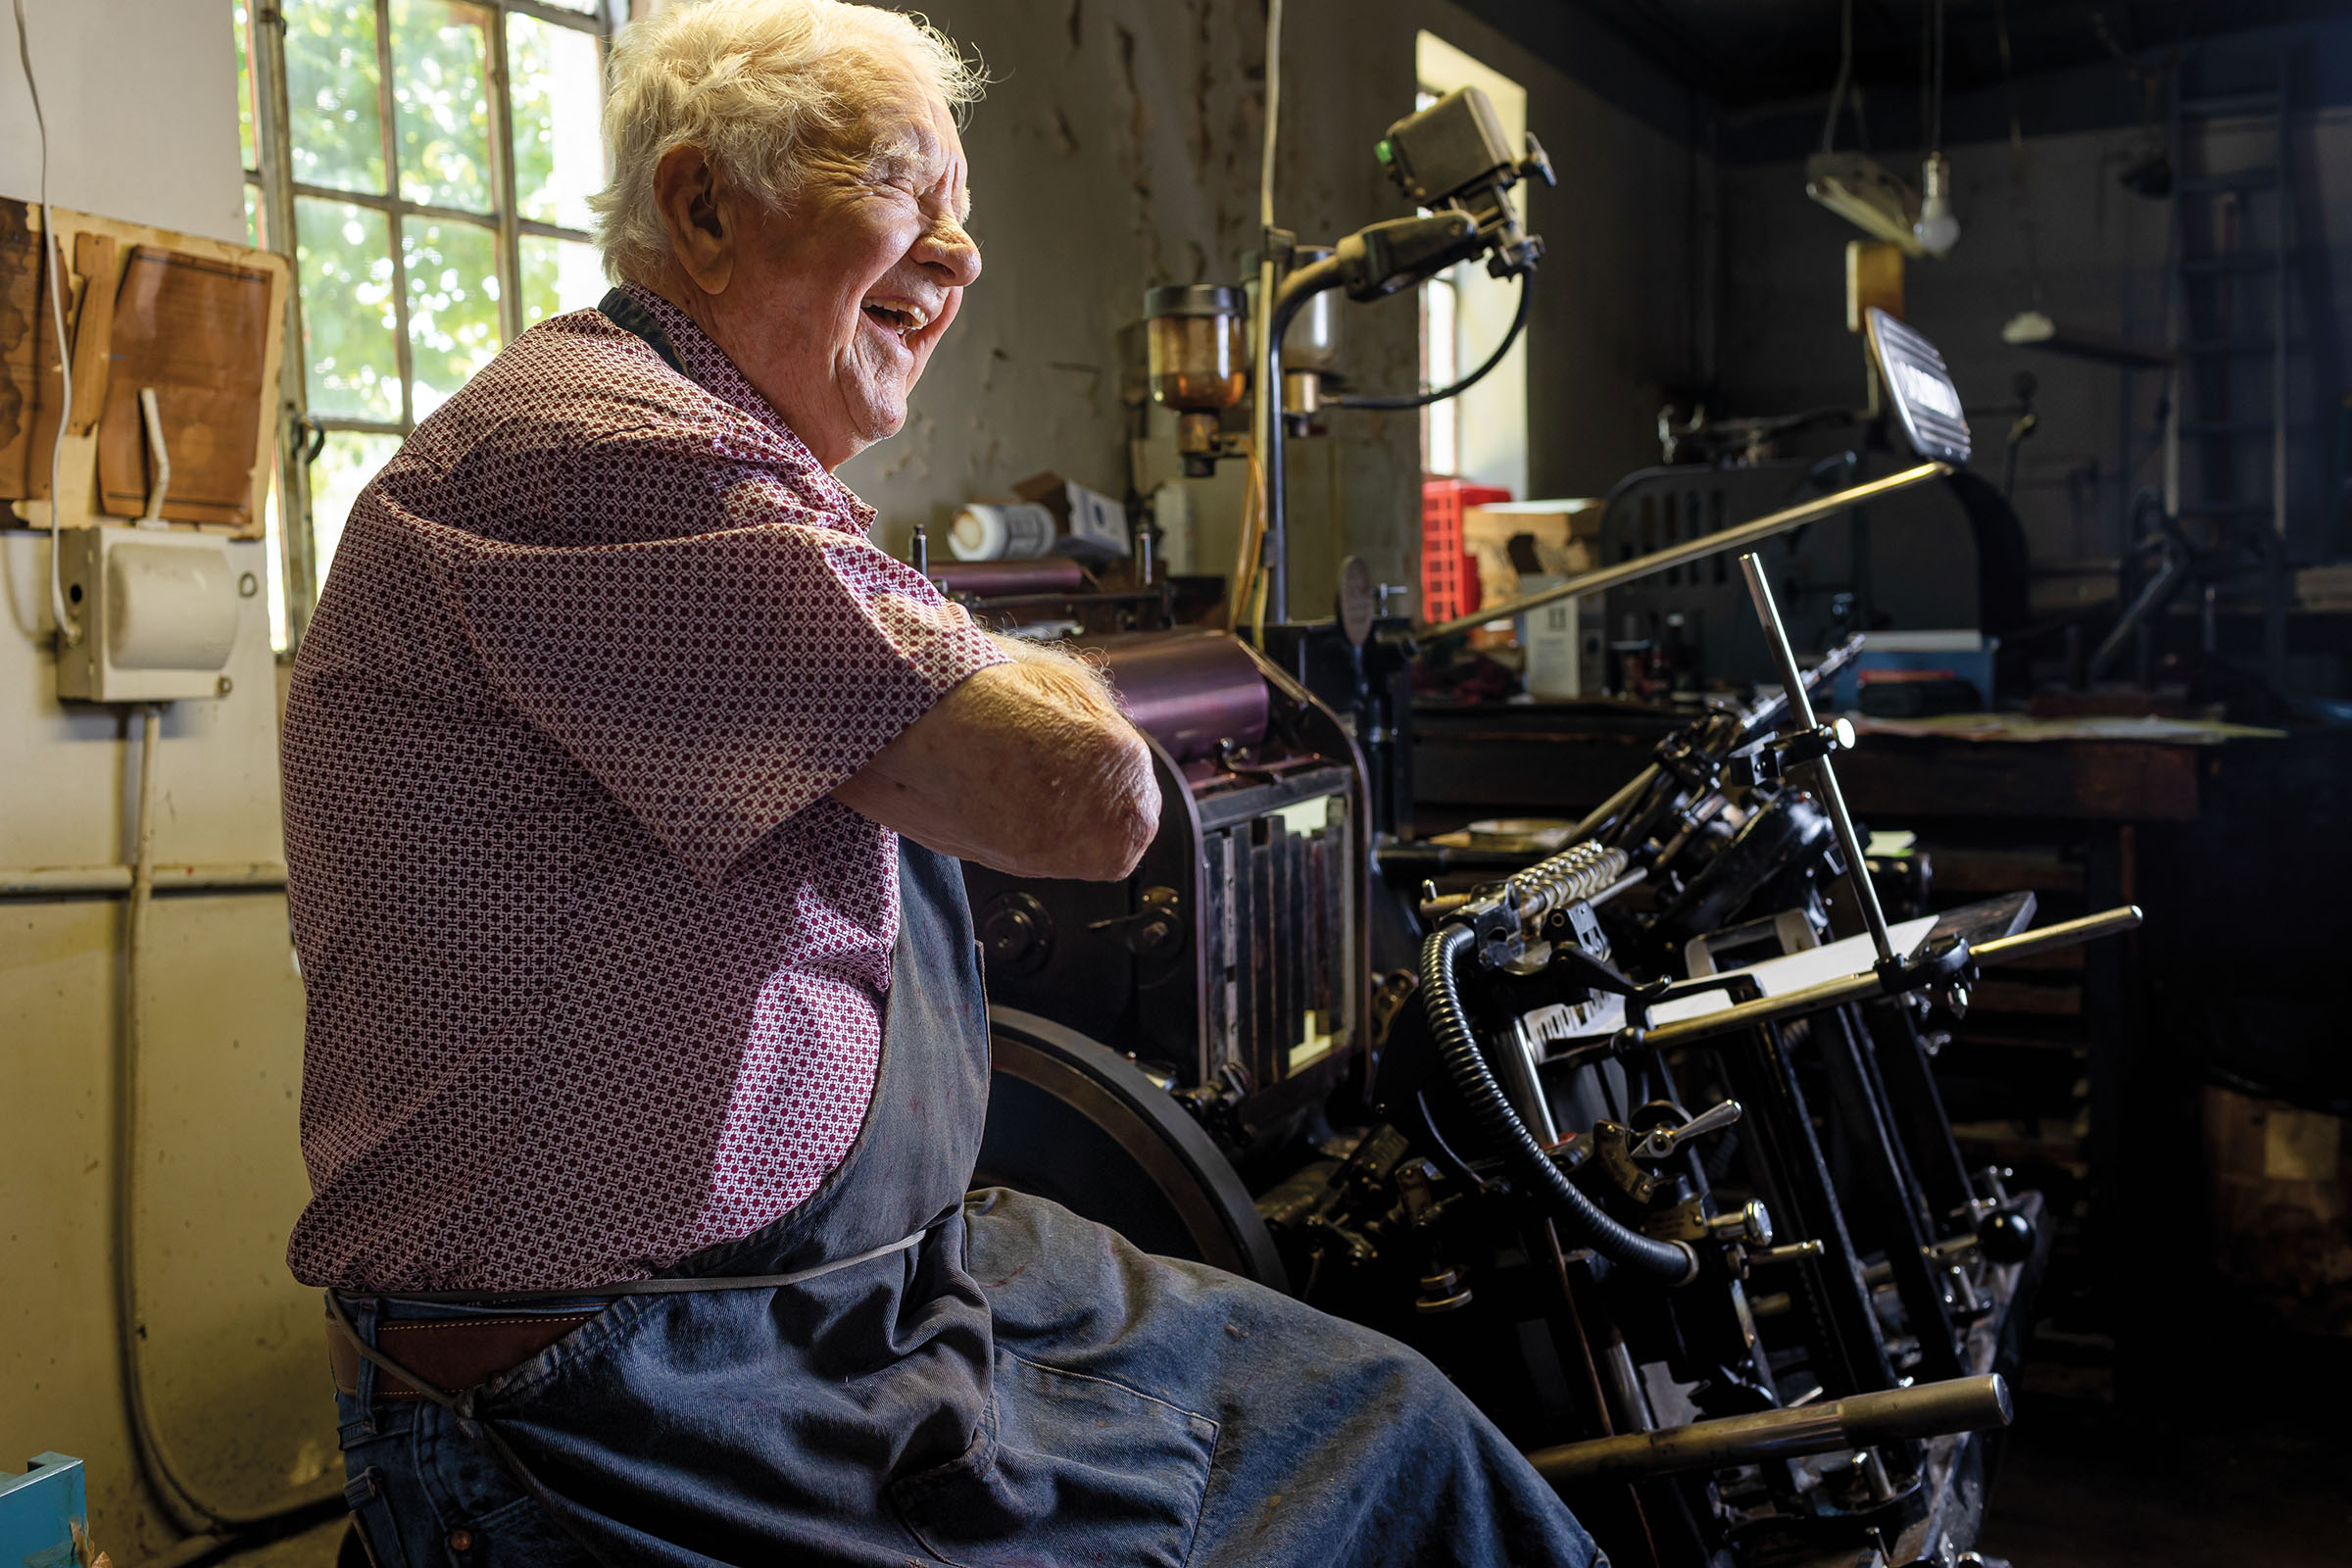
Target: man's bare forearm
1028,769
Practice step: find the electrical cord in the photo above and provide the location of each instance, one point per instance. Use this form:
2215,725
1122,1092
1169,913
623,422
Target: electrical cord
1846,76
69,628
1669,1262
1422,400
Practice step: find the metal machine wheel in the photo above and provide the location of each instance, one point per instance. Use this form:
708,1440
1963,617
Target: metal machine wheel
1071,1120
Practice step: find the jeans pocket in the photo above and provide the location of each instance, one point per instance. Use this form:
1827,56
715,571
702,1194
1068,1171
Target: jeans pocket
491,1519
1066,1466
379,1524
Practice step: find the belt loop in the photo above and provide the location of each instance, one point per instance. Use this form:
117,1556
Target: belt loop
362,1314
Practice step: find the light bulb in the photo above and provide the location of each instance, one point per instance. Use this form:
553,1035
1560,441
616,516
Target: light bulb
1937,230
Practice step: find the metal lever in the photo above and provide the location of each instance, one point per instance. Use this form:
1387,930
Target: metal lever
1800,709
1924,1410
1665,1141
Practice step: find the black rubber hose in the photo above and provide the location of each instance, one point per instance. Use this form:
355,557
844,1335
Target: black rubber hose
1422,400
1670,1262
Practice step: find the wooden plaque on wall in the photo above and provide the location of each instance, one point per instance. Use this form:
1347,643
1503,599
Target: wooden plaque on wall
193,329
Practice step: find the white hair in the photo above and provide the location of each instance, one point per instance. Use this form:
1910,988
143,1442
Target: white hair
762,86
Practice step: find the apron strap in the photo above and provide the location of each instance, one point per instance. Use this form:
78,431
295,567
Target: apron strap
622,311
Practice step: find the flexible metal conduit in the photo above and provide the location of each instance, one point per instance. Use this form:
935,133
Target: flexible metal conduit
205,1522
1673,1262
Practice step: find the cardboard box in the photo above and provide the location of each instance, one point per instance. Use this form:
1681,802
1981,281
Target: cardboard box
1561,539
1094,526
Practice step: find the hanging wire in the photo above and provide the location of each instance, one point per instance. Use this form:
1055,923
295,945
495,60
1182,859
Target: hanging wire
1935,111
69,629
2020,168
1845,75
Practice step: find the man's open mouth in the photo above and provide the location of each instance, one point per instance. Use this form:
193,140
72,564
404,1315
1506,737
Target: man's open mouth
899,318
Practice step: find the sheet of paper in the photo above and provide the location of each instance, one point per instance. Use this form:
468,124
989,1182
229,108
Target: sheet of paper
1797,970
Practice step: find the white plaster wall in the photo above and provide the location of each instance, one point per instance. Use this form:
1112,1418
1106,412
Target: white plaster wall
140,100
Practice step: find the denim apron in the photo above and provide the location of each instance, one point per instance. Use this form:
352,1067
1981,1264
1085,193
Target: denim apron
1018,1387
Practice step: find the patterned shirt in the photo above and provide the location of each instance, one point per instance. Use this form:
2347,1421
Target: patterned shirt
592,960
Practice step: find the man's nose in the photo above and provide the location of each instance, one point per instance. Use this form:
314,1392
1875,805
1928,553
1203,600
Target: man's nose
951,253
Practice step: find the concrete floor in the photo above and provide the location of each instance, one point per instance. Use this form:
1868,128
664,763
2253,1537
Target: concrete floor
2256,1482
315,1547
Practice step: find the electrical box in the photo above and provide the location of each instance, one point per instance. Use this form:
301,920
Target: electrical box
157,610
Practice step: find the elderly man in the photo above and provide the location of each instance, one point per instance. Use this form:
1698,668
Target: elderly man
647,1056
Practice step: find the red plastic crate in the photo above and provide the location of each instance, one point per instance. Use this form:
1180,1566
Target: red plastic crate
1449,573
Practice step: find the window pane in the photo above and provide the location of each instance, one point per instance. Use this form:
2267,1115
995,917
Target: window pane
336,133
347,318
243,18
558,275
1439,430
253,215
452,304
345,465
441,90
559,153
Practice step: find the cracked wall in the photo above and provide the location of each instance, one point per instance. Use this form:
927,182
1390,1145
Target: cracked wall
1119,149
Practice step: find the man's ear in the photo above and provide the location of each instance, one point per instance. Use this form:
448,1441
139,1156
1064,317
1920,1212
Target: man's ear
701,232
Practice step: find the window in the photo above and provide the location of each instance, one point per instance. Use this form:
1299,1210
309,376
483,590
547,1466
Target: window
1440,355
1482,435
437,158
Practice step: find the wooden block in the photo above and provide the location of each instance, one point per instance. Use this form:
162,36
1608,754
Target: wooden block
48,382
1874,275
94,257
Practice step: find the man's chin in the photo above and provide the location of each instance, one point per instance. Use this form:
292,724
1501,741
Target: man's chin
881,423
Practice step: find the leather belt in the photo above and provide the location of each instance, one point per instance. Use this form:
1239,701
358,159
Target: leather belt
453,1355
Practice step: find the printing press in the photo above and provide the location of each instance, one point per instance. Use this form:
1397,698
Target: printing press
1642,1151
1639,1141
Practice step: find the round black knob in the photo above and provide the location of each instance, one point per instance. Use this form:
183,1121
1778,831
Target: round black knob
1018,932
2006,1236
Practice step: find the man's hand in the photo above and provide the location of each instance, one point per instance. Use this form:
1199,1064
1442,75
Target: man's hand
1028,769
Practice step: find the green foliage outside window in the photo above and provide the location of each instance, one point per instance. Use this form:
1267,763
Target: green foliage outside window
370,265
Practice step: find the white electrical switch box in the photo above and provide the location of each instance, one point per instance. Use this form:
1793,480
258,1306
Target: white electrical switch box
157,610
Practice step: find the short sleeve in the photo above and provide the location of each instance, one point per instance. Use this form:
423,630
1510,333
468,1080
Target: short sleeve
716,683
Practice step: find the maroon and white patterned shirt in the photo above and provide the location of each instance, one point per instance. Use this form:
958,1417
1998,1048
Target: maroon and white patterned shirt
592,960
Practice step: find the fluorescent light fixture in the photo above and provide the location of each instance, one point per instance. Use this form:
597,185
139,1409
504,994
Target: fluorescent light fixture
1867,194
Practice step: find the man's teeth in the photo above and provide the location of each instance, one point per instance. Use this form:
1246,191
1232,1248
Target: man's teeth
901,318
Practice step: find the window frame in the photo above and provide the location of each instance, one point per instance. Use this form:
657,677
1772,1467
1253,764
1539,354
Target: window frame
275,192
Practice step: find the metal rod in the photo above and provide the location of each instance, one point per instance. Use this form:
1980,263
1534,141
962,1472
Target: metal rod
1800,709
1924,1410
62,881
1713,544
1862,986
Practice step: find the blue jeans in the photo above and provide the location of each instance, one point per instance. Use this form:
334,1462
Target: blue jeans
1139,1411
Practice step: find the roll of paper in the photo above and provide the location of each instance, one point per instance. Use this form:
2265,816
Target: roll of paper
992,531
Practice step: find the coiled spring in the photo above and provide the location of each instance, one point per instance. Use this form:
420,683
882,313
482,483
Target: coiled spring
1576,874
